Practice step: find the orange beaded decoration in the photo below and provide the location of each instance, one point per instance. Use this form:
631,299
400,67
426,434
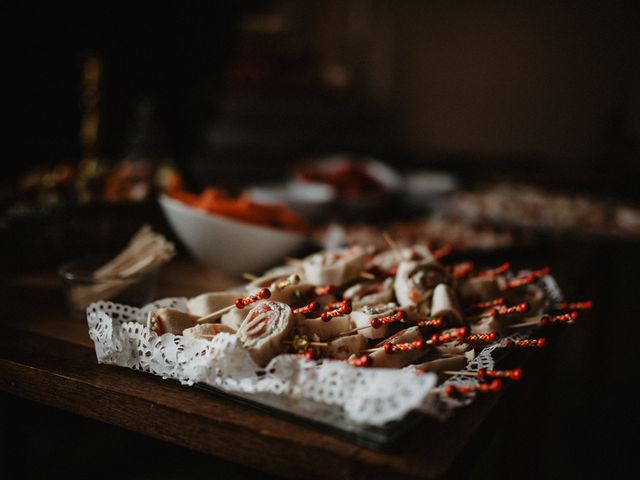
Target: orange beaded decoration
489,304
419,344
586,305
310,308
482,337
462,270
437,323
326,290
539,343
450,335
484,374
564,318
453,390
343,309
261,295
399,316
495,272
362,361
520,308
442,252
338,303
526,279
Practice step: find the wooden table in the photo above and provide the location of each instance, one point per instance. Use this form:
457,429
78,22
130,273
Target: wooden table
47,357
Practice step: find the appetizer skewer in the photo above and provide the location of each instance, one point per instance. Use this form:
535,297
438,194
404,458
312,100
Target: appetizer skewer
409,308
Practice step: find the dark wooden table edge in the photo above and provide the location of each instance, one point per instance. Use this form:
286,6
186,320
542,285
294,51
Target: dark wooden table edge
84,390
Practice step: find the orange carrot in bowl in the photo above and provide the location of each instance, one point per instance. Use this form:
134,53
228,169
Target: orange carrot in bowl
242,208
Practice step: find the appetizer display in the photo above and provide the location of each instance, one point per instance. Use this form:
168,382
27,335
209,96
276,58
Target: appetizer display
395,309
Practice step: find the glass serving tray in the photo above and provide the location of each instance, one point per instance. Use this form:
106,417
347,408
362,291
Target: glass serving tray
324,418
331,420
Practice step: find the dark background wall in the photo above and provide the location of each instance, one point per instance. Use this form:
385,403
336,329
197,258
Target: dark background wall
548,87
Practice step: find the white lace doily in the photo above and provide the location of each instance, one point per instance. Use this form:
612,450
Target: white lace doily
369,396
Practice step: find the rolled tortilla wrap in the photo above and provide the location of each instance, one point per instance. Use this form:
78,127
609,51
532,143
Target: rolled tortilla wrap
415,281
207,303
264,329
170,320
363,317
398,359
324,330
335,267
370,293
445,303
343,347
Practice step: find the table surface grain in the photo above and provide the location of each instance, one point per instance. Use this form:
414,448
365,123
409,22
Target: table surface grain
46,356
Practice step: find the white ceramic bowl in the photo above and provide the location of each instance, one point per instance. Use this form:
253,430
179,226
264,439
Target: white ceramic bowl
231,245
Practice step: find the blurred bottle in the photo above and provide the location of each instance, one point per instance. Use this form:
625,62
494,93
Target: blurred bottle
91,167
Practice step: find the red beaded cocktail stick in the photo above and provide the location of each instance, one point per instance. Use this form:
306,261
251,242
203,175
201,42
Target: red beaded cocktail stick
453,390
462,270
361,361
501,311
527,279
240,303
544,320
495,272
436,322
325,290
450,335
399,316
244,301
310,308
421,344
442,252
484,374
481,337
531,343
519,308
343,309
491,303
586,305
